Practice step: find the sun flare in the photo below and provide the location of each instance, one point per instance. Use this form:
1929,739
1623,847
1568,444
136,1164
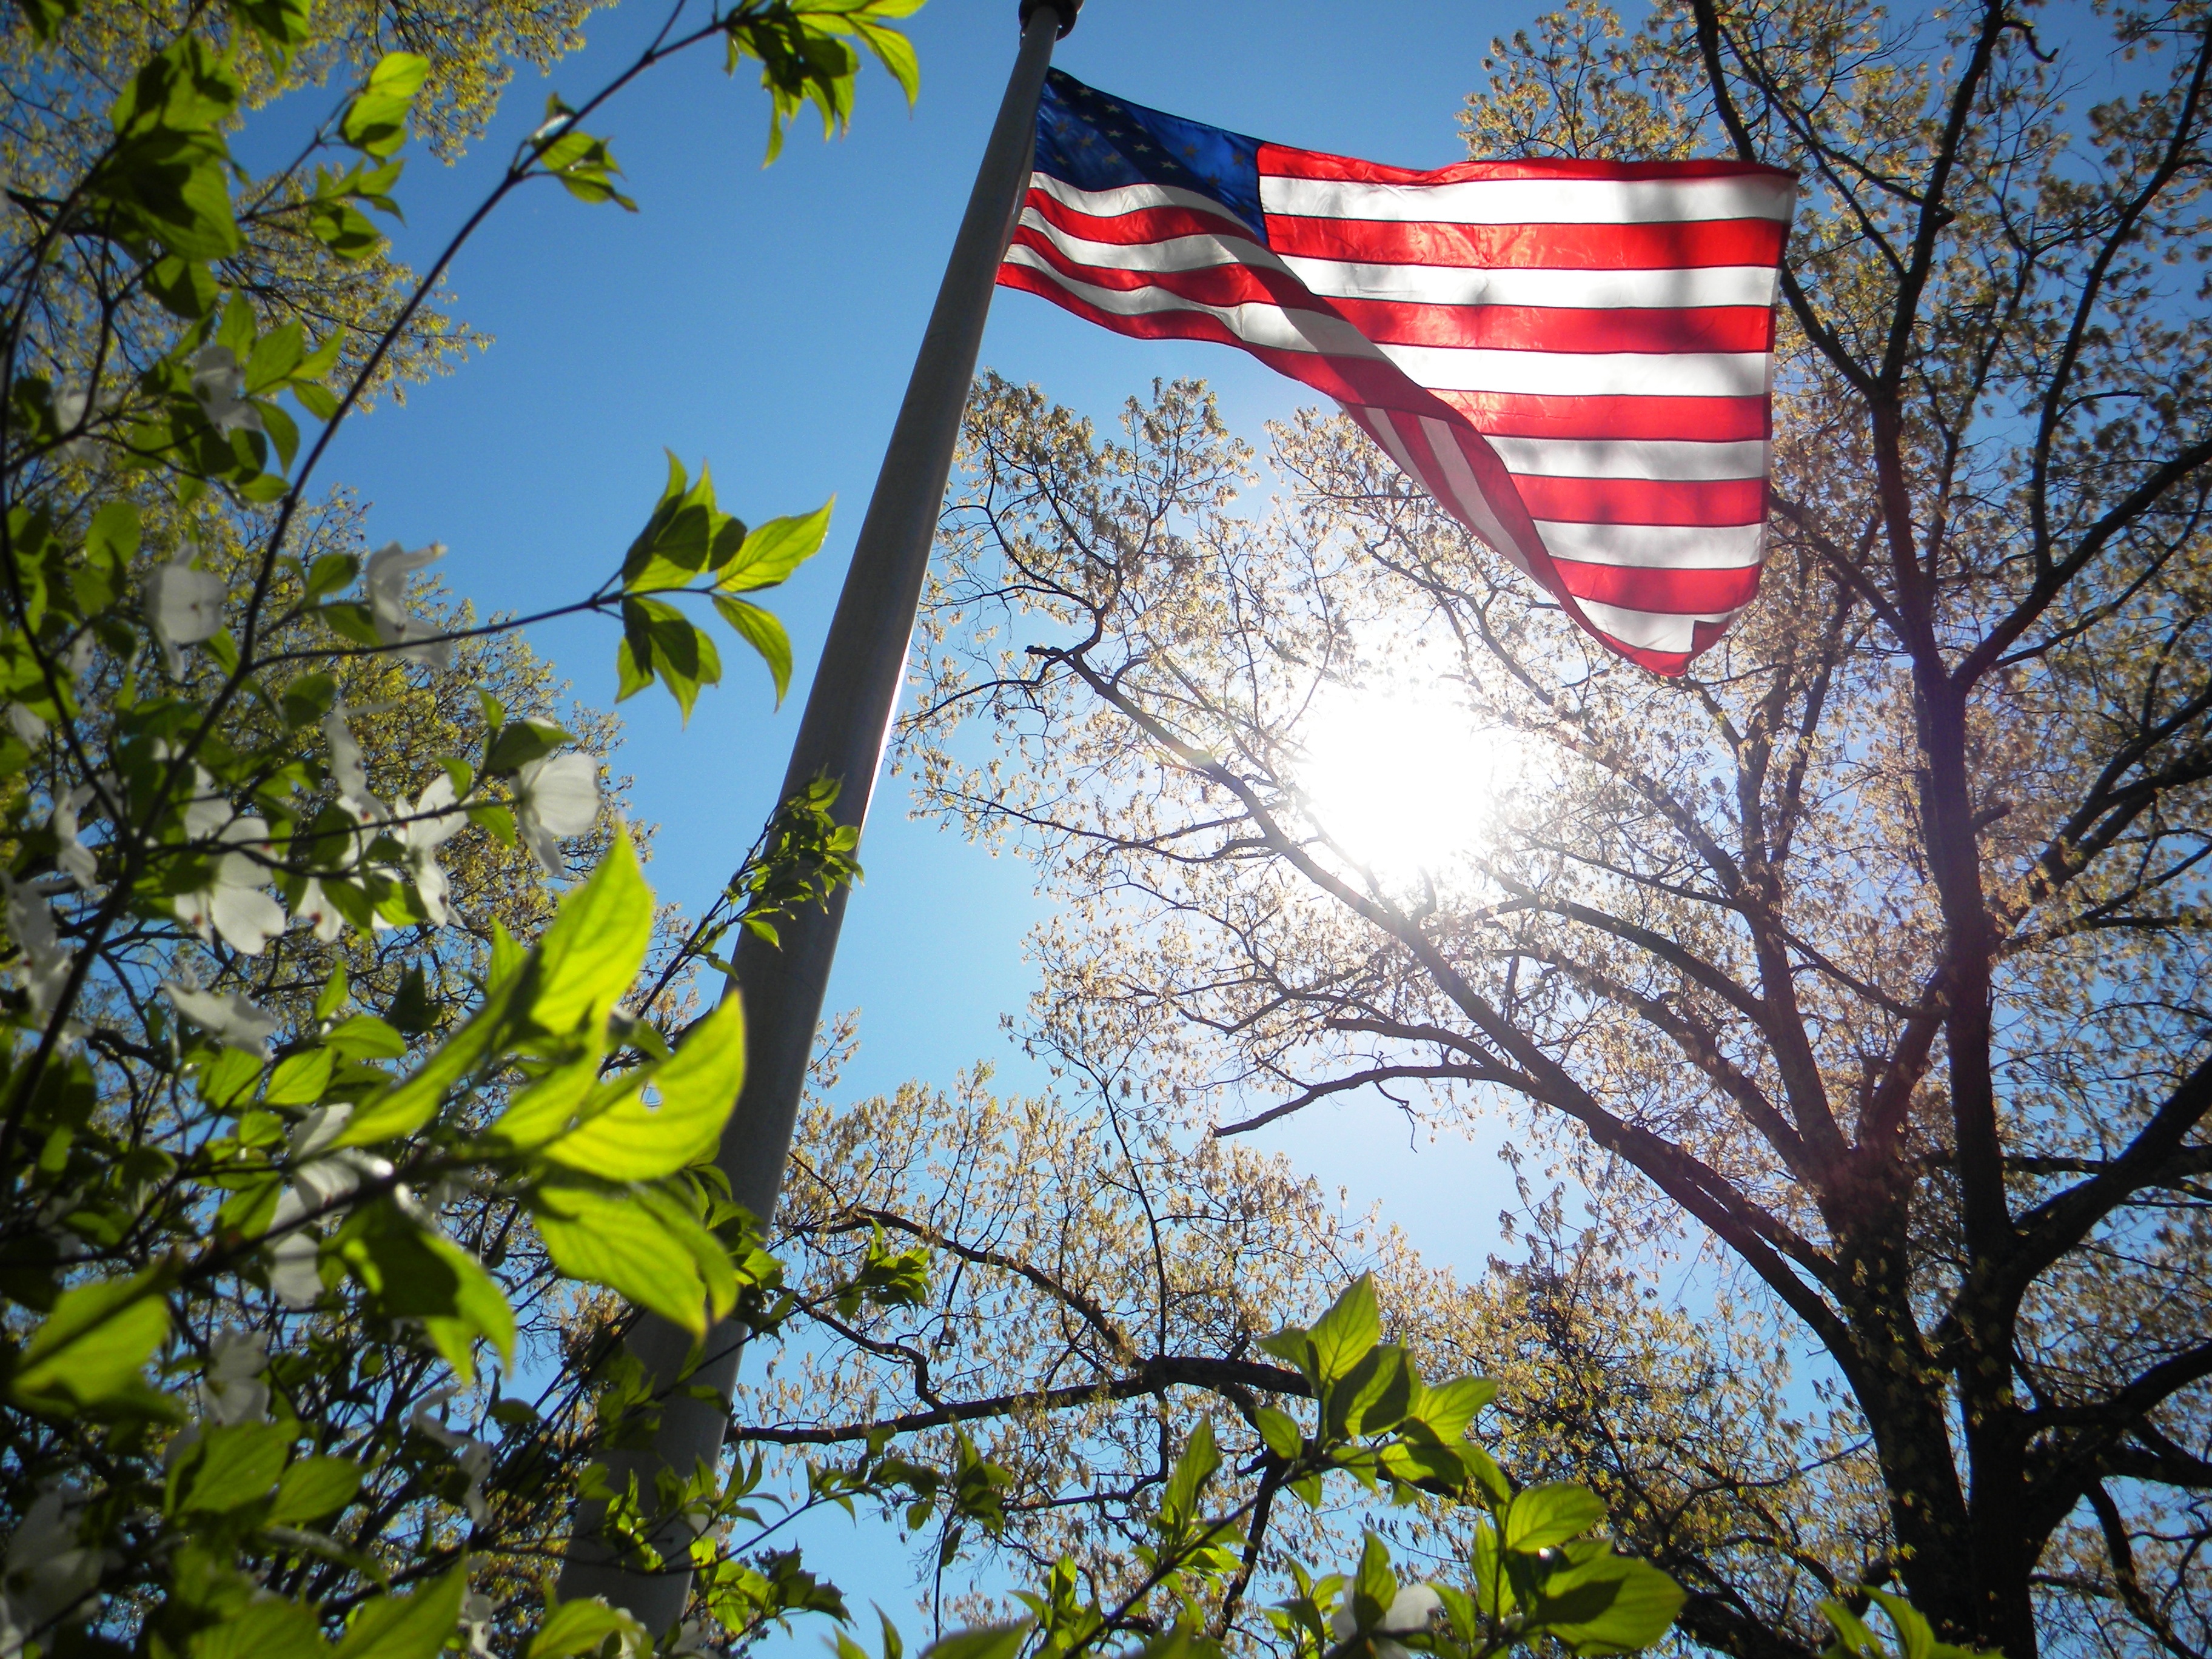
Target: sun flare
1403,781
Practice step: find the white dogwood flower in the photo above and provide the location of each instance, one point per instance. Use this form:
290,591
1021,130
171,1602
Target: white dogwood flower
294,1275
478,1611
233,904
315,910
472,1454
29,725
435,820
554,798
186,606
388,569
233,1390
315,1183
1411,1609
70,407
348,771
49,1576
45,958
70,853
228,1017
219,385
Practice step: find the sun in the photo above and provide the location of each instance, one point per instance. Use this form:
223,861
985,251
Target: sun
1405,780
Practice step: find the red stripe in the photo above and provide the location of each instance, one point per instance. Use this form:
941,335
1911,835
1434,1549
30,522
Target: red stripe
1549,328
1282,160
1139,225
1670,592
1644,501
1226,284
1529,415
1509,328
1348,380
1668,245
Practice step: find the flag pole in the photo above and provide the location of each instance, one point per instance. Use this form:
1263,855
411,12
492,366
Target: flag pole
842,736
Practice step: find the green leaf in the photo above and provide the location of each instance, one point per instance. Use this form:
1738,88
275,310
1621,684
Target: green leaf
1280,1431
262,1630
615,1134
574,1627
1374,1397
301,1079
1447,1411
776,549
376,122
1914,1632
228,1468
334,994
520,742
186,288
45,17
659,640
412,1272
1608,1604
762,630
281,24
350,621
409,1626
167,178
364,1036
989,1642
1853,1638
1541,1516
113,537
590,955
585,166
895,53
230,1077
609,1238
1199,1461
1374,1587
314,1487
87,1354
1342,1337
274,356
407,1105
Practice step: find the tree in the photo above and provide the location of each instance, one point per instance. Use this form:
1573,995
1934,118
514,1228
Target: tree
329,1138
1867,956
319,1113
1063,1291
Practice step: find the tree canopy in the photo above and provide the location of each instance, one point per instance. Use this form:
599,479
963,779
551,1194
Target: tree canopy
1867,959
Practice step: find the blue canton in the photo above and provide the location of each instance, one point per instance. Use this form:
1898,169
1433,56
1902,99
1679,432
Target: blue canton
1093,141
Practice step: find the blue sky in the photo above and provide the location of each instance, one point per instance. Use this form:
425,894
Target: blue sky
765,321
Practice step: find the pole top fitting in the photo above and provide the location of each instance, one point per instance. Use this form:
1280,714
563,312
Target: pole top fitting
1066,8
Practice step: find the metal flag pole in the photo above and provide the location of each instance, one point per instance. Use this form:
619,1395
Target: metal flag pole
840,736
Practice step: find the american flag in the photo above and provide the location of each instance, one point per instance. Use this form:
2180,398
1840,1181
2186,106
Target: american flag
1573,357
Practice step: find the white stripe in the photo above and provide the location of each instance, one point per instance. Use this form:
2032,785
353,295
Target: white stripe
1534,201
1393,444
1631,457
1470,285
1127,199
1651,631
1474,506
1655,546
1254,323
1168,253
1585,373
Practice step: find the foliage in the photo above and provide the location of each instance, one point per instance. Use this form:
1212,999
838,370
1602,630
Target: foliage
1865,965
319,1114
